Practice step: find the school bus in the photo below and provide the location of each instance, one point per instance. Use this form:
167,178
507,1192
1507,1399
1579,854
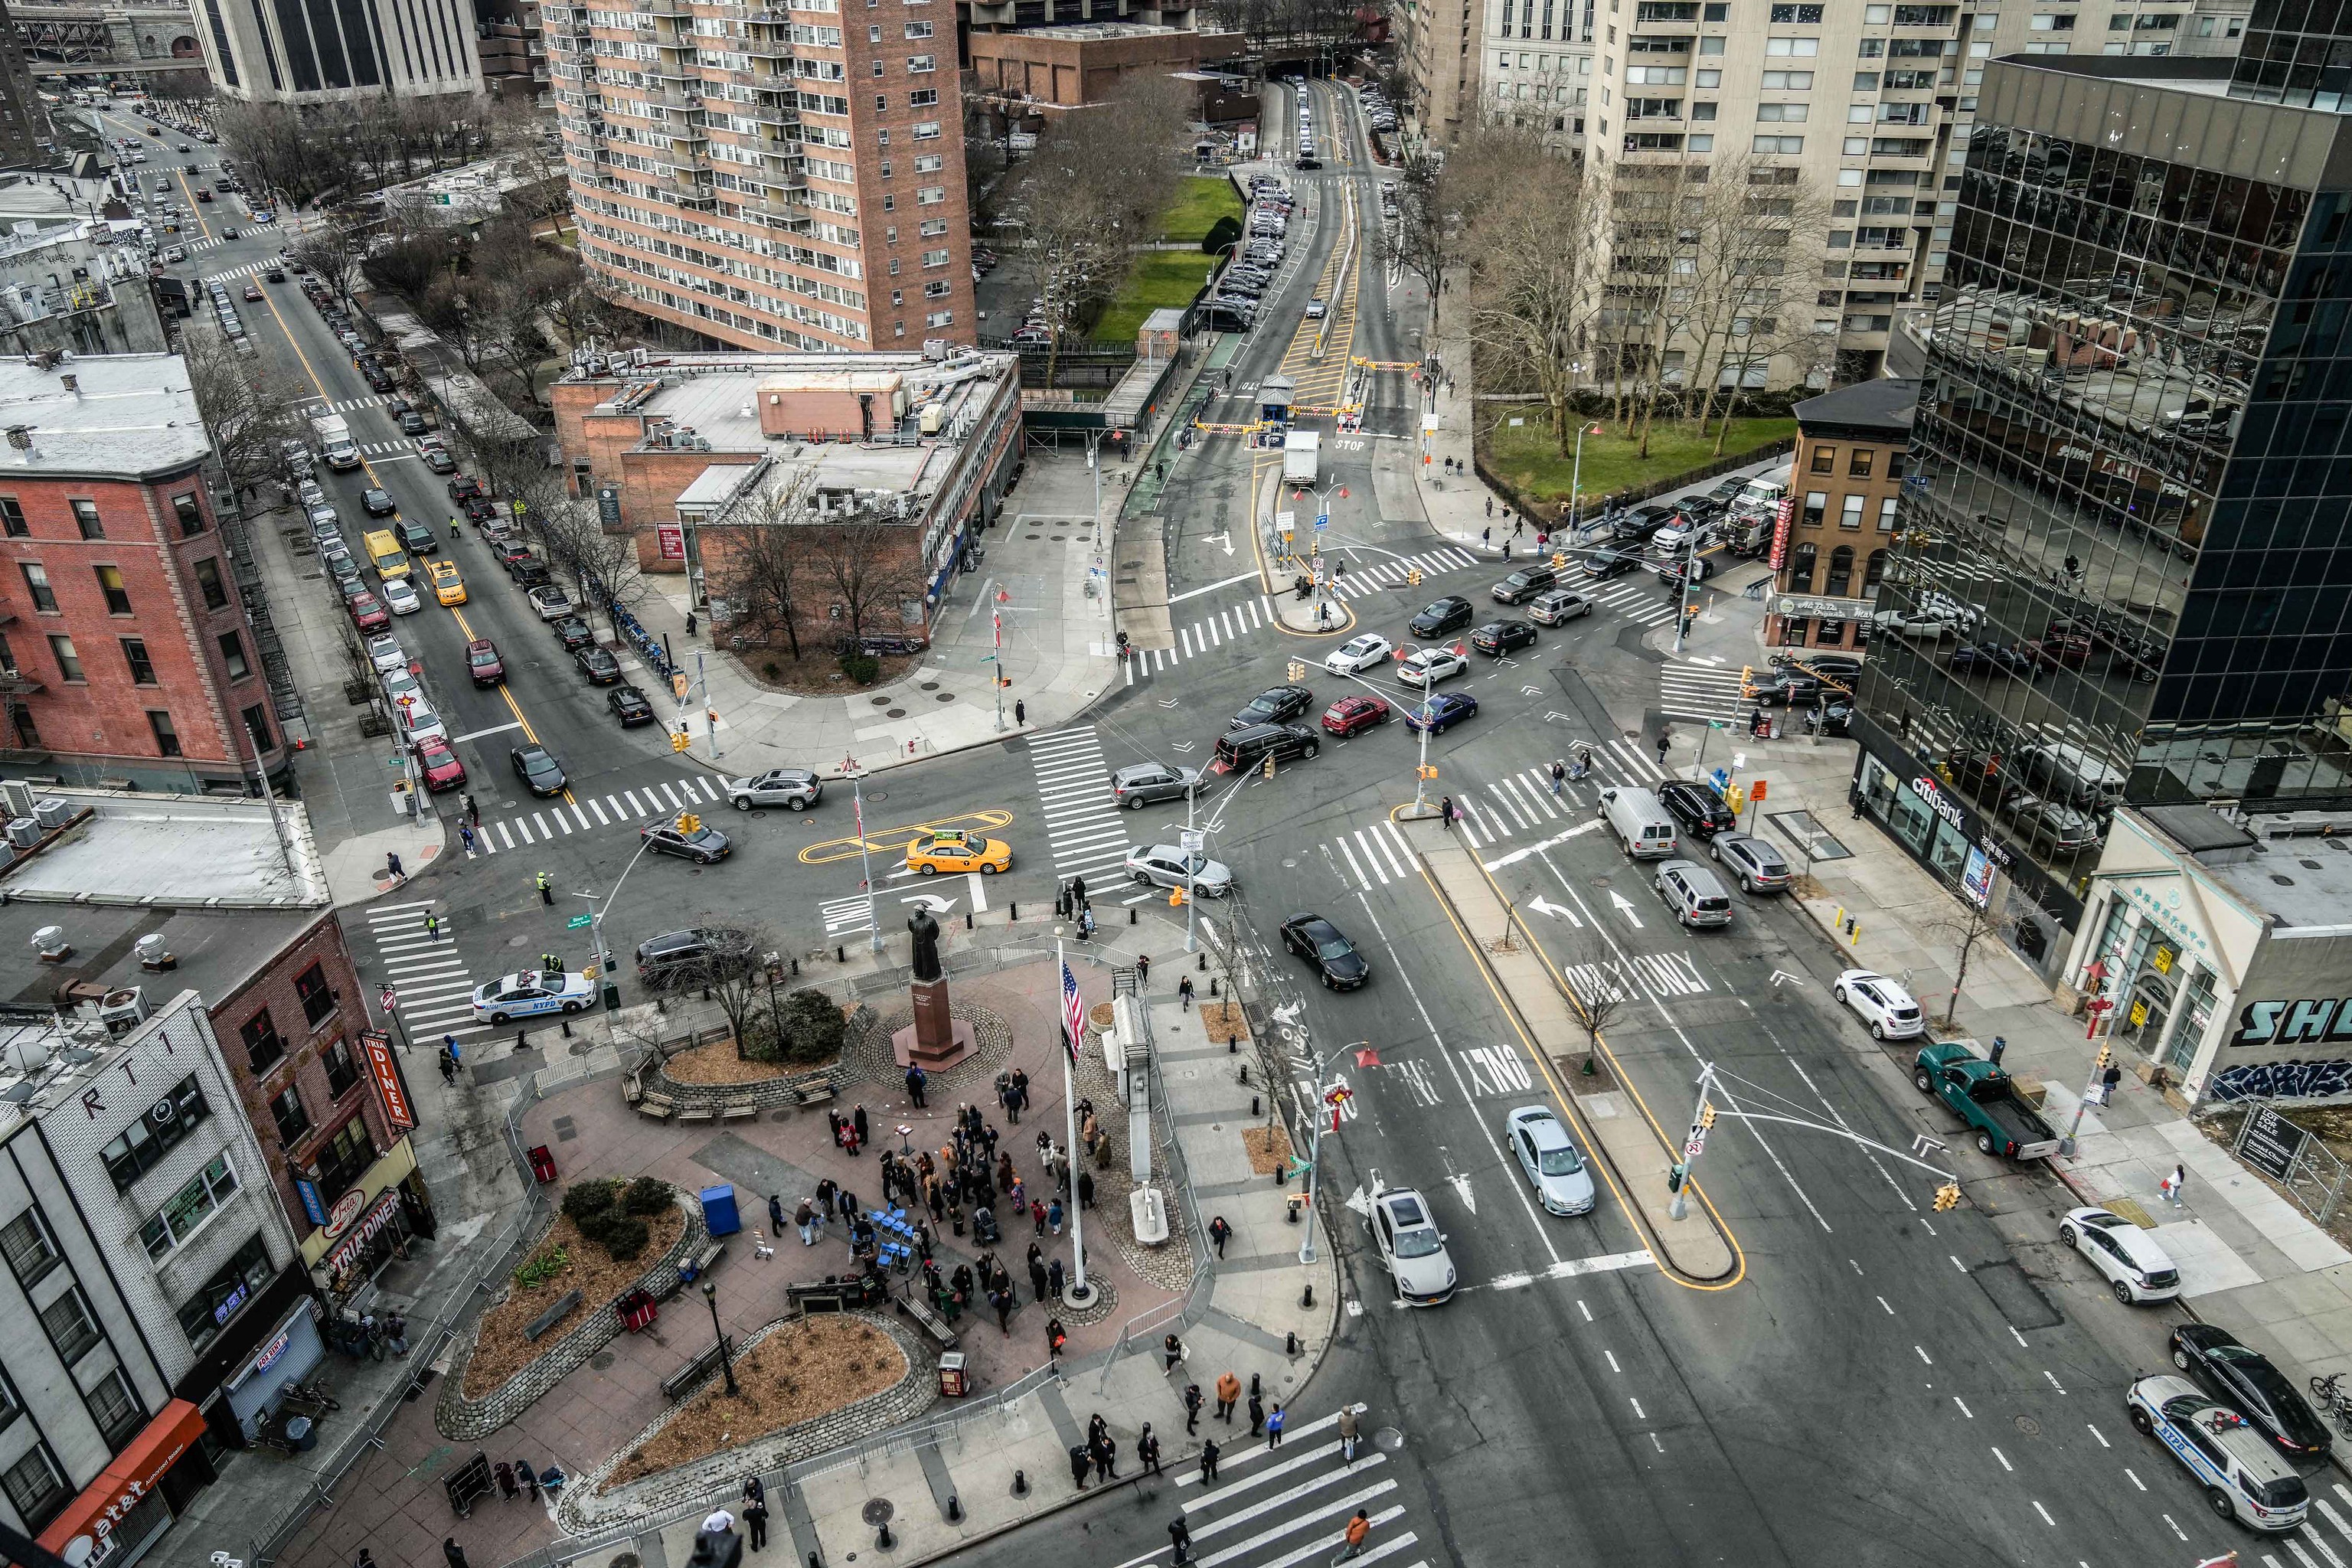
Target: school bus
390,561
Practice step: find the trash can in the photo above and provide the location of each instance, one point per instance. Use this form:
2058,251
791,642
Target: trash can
303,1433
953,1382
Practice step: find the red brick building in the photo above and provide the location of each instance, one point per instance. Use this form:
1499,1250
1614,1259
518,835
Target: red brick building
124,652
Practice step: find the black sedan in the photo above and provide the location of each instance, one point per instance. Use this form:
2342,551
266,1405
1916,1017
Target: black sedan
1274,707
378,503
1496,638
598,664
1641,522
574,633
2244,1379
1605,563
1448,614
540,772
1789,687
703,845
1335,958
1700,809
629,706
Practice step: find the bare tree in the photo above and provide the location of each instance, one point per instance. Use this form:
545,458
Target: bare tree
1536,278
1747,222
248,405
861,562
767,570
1595,1008
1964,928
335,252
730,972
1428,238
602,567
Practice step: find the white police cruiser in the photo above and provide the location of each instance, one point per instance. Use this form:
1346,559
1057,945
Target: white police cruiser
529,992
2243,1478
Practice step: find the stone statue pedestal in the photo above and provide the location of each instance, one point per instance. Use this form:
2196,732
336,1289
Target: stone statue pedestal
935,1038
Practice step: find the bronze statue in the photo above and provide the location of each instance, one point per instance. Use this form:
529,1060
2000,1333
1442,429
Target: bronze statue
925,933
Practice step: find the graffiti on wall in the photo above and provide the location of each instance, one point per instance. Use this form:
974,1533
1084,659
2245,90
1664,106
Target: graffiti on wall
2305,1021
2282,1080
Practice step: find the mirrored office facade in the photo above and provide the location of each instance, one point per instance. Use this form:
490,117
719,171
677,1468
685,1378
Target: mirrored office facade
2125,572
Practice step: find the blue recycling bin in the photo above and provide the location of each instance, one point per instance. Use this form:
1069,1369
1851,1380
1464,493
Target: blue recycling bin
719,1216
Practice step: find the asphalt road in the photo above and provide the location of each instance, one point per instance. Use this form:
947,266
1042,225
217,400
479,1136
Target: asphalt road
1882,1384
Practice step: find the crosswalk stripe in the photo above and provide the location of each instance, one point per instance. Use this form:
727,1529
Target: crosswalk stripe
1370,861
710,790
1321,1542
634,809
1349,856
380,912
1266,1505
1391,842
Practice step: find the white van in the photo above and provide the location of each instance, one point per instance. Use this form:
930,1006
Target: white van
1639,822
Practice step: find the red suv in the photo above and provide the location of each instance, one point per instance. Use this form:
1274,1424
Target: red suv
439,764
482,662
368,612
1352,715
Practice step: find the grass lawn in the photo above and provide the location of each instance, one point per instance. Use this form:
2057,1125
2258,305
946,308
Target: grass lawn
1157,279
1200,203
1525,455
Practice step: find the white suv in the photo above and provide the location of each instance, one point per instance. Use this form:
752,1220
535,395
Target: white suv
2137,1268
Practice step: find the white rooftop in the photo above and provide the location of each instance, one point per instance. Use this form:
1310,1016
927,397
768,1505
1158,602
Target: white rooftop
126,416
196,851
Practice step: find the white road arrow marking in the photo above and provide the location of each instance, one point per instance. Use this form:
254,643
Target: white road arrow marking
1781,974
1462,1191
1545,905
1225,539
1531,691
1624,907
931,901
1359,1203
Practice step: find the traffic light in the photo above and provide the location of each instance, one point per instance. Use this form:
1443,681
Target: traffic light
688,824
1297,670
1948,1197
679,741
1706,1117
2105,1056
1559,559
1412,576
1268,769
1428,770
1748,680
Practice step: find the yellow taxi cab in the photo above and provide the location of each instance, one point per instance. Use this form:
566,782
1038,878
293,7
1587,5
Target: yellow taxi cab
959,852
447,586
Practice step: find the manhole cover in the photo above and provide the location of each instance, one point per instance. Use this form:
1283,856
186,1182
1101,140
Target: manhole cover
877,1511
944,697
1599,881
1389,1439
2029,1426
882,702
930,686
601,1360
1290,863
895,713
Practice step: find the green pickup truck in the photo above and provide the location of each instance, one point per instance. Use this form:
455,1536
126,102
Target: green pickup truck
1984,1097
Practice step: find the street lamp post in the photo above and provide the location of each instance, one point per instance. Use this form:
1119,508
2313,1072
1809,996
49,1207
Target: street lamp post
857,776
596,912
1315,1152
1080,1294
726,1363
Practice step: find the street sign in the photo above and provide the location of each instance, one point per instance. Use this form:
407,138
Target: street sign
678,684
1322,521
1698,1141
576,921
1192,840
387,1000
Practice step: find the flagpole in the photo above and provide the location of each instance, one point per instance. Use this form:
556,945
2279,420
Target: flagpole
1080,1294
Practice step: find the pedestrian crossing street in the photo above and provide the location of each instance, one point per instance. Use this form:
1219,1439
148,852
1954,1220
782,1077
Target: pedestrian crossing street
590,813
1083,824
432,985
1356,583
1290,1506
346,404
1702,691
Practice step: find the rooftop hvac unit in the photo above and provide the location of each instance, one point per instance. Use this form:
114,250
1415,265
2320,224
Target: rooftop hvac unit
122,1009
49,944
153,954
17,796
53,813
23,832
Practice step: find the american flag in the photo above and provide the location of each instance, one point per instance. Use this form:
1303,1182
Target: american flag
1074,1013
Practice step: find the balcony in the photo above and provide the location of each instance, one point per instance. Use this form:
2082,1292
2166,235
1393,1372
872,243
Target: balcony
688,133
766,48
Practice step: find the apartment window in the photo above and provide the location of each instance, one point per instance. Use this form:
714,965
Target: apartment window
1787,81
293,1118
61,648
109,585
877,68
24,1241
1865,81
929,228
1703,143
919,29
881,103
208,581
232,646
1841,578
928,163
36,584
1801,561
935,258
1799,48
1824,460
142,1145
1850,513
1860,461
928,97
167,735
257,725
68,1325
115,1409
11,518
917,63
937,288
886,168
86,519
189,1208
931,195
318,1000
1886,515
219,1299
1801,15
263,1048
134,654
2119,22
926,130
344,1159
190,515
35,1489
1777,144
1817,505
940,319
1768,112
343,1072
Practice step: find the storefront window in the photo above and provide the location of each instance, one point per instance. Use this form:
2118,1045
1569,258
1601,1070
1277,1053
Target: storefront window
1911,820
2197,1002
1949,853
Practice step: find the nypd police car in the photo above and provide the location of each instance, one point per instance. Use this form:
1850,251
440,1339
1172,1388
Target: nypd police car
2243,1479
529,992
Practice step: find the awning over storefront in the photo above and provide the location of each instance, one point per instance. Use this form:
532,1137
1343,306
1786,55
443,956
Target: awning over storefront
356,1239
122,1485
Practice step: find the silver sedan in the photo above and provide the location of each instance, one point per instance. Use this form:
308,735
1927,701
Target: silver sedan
1164,866
1547,1154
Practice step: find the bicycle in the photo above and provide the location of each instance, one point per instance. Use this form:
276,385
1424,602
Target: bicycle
2332,1396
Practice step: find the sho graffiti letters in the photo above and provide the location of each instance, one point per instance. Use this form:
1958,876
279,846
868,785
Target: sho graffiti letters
2305,1021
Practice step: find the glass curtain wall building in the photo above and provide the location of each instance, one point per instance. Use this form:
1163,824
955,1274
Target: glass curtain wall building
2127,551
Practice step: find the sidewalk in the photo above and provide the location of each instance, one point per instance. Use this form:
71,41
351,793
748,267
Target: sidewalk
2250,1258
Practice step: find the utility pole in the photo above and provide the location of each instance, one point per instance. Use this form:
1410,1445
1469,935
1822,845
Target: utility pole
1190,844
709,714
2098,1067
856,777
1694,1144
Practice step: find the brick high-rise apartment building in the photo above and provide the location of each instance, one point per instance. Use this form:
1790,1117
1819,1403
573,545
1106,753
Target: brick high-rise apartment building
772,176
